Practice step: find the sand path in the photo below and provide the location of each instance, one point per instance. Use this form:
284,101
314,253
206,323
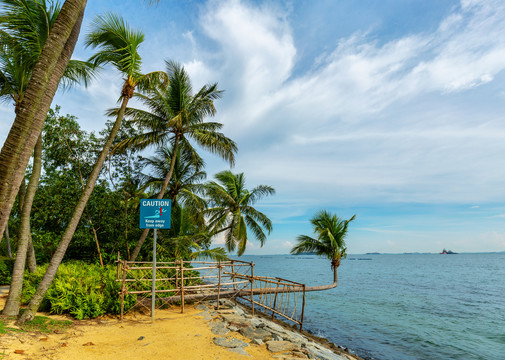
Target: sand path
172,336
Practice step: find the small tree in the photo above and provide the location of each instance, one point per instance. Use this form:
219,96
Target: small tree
330,242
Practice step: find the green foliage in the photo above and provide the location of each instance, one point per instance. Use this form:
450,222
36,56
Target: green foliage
331,232
6,266
232,210
80,289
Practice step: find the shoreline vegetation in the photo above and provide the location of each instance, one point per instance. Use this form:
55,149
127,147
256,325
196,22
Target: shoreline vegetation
200,332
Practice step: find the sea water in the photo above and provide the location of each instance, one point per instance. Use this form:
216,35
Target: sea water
409,306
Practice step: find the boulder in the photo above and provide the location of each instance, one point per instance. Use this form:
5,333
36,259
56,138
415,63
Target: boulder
279,346
253,333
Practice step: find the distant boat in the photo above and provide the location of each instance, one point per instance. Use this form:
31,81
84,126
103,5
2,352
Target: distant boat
448,252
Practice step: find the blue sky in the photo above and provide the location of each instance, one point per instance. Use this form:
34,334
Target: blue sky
390,110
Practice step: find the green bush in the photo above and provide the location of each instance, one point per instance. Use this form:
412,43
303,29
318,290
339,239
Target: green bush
80,289
6,265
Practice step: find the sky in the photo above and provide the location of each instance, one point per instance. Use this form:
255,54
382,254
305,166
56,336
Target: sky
390,110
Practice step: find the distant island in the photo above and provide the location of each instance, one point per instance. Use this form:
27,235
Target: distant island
448,252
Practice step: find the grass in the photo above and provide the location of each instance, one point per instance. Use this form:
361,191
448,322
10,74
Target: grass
4,329
46,325
41,324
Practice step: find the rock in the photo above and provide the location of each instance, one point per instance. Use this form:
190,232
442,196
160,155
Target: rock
206,316
277,337
202,307
252,333
219,329
278,346
235,320
299,355
257,342
141,338
226,311
232,328
239,350
229,343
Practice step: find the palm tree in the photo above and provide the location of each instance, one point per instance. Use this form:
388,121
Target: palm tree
44,80
330,242
176,116
185,185
24,28
118,46
232,211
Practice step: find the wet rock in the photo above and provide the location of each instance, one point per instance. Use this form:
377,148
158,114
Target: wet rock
278,346
229,343
252,333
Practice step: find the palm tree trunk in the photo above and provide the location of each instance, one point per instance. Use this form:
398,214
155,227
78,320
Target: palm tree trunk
7,238
12,304
46,281
160,196
33,109
31,258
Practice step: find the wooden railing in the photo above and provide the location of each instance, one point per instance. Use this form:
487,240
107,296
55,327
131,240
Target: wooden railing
181,281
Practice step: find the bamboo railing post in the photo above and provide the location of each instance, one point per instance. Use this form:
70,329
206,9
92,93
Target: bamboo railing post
303,308
176,274
218,283
233,275
182,285
275,300
252,285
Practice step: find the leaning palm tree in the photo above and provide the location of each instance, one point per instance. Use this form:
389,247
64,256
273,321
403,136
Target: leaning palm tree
118,46
232,211
330,242
24,29
175,115
39,93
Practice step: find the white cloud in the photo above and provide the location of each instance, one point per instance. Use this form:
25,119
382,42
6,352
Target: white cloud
370,120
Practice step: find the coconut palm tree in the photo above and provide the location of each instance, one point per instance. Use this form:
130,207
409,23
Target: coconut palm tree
44,80
176,116
330,242
24,28
232,211
118,45
185,186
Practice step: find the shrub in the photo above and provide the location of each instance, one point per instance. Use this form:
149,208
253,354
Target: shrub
80,289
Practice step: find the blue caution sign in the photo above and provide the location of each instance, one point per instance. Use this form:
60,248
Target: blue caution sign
155,214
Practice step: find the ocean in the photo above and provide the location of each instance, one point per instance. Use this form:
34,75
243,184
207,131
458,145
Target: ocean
408,306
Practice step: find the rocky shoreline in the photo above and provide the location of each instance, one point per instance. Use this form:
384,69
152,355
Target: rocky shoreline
282,341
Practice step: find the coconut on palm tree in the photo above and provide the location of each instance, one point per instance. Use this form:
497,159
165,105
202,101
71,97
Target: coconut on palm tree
118,45
329,242
233,213
177,116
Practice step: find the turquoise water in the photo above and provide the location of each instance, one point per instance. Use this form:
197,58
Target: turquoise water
420,306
